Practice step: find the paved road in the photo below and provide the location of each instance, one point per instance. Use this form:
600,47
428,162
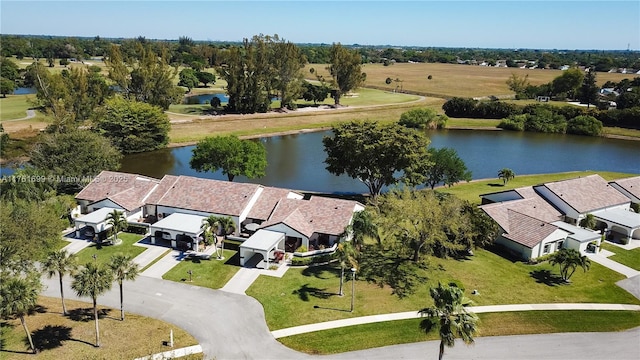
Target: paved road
231,326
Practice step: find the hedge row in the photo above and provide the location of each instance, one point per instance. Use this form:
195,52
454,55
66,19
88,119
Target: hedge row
470,108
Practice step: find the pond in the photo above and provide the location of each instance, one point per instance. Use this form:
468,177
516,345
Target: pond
205,98
24,91
296,161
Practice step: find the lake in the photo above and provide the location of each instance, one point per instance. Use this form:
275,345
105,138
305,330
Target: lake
296,161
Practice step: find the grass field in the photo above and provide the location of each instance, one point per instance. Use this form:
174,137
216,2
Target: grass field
72,337
210,273
104,253
492,324
450,80
471,191
290,301
630,258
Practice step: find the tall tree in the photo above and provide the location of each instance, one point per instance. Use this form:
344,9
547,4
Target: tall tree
345,69
569,260
206,77
374,153
450,316
188,78
18,296
6,86
133,126
117,221
588,93
446,167
61,263
287,62
61,155
568,83
234,156
92,281
227,226
362,226
506,174
123,268
347,258
518,84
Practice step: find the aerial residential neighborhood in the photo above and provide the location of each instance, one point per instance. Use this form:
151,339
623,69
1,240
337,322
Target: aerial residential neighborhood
305,180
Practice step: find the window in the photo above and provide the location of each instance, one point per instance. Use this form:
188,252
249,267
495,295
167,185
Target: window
559,245
547,247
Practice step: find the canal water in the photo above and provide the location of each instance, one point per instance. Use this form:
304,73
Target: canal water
297,161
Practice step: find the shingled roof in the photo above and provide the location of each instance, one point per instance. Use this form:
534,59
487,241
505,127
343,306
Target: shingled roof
206,195
267,202
526,230
586,194
316,215
127,190
631,185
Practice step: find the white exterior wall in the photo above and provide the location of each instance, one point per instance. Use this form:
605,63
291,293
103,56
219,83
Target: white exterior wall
524,251
552,239
104,203
558,202
289,232
581,247
245,211
134,215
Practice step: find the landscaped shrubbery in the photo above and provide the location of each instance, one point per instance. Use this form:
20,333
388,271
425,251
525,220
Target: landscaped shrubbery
584,125
424,118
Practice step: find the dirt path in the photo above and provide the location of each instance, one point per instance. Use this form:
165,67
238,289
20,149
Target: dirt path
30,114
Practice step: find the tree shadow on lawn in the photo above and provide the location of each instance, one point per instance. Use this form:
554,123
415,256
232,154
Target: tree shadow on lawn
51,337
306,290
86,314
323,271
496,185
544,276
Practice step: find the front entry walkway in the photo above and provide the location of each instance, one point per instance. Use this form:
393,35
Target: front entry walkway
601,258
241,281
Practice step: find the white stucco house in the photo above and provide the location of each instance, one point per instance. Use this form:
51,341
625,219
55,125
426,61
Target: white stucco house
540,220
175,207
630,187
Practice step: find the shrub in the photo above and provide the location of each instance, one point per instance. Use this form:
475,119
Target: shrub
584,125
495,110
301,261
64,62
137,229
424,118
545,121
514,123
459,107
302,249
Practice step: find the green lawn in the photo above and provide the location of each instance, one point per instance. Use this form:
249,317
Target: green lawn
290,301
210,273
472,191
104,253
493,324
630,258
14,106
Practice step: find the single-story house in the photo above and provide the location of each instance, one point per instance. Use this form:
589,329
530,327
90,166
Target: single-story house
630,187
263,244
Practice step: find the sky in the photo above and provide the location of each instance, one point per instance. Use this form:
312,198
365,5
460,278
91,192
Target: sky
537,24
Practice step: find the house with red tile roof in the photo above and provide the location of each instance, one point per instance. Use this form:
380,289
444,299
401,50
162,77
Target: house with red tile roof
527,215
175,207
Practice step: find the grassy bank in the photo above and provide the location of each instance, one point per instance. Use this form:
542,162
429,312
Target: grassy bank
72,337
493,324
472,191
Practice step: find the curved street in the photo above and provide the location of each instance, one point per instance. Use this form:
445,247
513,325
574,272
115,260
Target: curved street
231,326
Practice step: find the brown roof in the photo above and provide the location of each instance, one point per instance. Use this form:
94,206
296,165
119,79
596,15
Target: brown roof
585,194
165,184
266,203
532,205
126,190
316,215
526,230
206,195
632,185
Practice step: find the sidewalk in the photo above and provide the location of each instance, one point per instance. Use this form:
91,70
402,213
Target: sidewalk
296,330
601,258
173,354
241,281
163,265
75,245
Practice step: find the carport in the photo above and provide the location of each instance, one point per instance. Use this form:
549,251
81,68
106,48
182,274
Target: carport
179,225
263,242
95,219
621,221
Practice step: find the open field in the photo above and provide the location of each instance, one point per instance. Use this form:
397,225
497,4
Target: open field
449,80
492,324
72,337
471,191
104,253
290,301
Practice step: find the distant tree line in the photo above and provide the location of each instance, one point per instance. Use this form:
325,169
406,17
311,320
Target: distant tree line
186,51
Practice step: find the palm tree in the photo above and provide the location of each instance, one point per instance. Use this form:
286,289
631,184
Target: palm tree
210,228
347,257
123,268
569,260
506,174
228,226
589,221
118,222
450,316
18,296
362,225
60,262
91,281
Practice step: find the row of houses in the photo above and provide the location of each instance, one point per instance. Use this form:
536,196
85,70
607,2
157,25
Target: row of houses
539,220
173,209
